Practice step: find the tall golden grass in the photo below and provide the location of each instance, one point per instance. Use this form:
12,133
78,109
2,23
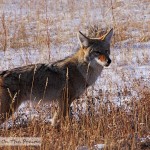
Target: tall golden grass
116,127
119,128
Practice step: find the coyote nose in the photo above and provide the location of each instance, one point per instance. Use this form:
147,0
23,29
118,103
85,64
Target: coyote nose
108,62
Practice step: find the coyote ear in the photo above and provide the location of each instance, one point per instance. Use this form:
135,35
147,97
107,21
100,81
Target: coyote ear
84,41
108,36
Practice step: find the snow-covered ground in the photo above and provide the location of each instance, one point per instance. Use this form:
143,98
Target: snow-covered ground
43,31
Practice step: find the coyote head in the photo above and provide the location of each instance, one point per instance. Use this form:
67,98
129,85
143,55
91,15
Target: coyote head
96,49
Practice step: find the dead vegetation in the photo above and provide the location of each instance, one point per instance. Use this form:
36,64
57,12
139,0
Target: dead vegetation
113,126
117,127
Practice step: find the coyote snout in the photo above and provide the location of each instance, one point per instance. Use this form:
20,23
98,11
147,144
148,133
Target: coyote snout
103,60
62,81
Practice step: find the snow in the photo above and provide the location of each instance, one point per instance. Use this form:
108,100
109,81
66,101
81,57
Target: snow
144,139
99,146
95,147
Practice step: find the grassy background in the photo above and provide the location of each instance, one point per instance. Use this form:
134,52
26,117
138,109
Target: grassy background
50,27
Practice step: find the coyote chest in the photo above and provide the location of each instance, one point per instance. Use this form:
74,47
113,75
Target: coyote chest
81,76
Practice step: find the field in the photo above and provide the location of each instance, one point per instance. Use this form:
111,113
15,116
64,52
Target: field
113,113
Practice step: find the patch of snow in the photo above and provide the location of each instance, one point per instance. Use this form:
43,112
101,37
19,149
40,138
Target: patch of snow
82,148
99,146
145,139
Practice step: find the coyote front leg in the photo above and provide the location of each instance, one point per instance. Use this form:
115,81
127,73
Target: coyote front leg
62,112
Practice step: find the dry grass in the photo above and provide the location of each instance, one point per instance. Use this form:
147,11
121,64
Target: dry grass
119,128
114,126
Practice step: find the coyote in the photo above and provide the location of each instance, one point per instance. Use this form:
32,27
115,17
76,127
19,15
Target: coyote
62,81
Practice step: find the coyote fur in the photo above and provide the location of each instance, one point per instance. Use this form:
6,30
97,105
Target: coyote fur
62,81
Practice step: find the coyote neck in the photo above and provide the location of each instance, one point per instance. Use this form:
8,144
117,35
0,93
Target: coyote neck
90,71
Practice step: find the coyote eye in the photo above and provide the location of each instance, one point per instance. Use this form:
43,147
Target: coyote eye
97,53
